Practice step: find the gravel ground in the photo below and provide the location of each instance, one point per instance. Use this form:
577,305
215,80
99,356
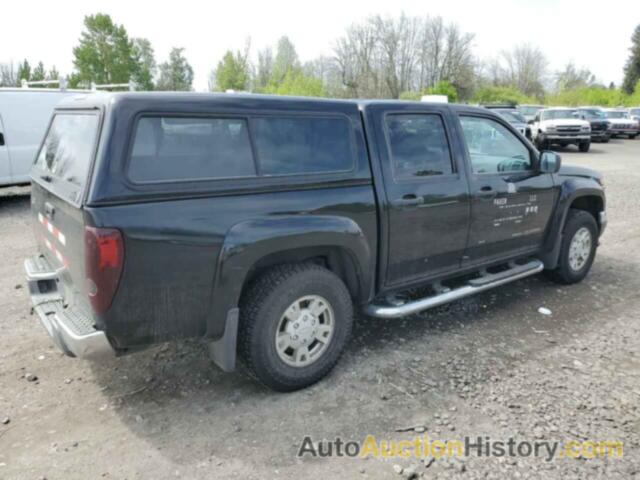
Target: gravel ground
491,365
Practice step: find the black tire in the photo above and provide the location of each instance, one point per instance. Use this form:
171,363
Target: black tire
261,309
564,273
584,146
605,140
633,137
542,144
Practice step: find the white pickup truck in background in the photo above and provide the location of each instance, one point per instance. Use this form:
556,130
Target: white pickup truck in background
622,123
560,126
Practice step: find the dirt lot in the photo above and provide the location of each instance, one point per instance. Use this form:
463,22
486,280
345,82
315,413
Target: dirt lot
491,366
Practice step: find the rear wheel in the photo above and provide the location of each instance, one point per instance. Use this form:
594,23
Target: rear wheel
584,146
295,321
578,249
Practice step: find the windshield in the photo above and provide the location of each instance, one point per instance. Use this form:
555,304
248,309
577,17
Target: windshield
512,116
67,152
616,114
635,111
592,113
559,114
529,110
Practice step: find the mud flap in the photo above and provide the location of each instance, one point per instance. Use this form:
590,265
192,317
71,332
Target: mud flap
223,350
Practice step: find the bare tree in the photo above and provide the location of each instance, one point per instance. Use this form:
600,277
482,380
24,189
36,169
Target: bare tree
573,77
397,41
355,56
264,68
383,57
525,68
8,75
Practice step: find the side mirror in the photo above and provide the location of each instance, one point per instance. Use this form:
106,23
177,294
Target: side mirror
531,122
550,162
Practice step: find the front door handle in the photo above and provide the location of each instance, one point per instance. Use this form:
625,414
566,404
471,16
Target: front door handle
409,200
1,139
488,191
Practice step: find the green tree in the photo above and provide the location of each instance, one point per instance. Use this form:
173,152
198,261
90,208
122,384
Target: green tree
105,54
297,83
145,64
232,72
39,73
286,59
598,95
494,94
74,81
53,74
632,68
175,74
634,100
444,88
24,71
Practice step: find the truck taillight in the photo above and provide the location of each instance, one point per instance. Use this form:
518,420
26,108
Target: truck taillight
104,258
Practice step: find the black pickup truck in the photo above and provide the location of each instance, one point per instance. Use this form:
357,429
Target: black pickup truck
259,223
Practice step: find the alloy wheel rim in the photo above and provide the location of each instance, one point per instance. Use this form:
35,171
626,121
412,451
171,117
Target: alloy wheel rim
305,331
580,249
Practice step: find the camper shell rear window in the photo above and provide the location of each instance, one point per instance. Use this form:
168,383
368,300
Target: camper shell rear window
65,157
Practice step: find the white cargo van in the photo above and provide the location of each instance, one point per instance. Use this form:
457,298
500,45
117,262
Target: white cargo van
24,116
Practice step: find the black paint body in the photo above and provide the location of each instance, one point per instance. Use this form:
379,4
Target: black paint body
191,247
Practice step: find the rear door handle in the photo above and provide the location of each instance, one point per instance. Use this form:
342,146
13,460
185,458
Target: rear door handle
1,139
409,200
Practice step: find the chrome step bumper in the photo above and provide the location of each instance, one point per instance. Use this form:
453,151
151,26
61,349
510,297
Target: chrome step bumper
484,282
71,329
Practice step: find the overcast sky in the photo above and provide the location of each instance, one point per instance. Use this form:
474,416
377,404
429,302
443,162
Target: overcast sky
595,34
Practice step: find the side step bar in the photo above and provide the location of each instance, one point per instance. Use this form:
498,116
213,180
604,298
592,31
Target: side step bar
485,282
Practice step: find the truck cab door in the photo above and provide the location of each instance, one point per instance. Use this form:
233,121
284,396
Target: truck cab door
511,202
425,193
5,161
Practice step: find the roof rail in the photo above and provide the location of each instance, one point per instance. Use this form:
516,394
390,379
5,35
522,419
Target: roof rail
131,86
62,82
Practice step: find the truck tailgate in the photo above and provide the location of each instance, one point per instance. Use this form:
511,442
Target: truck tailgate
57,276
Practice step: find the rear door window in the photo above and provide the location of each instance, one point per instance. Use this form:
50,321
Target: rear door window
419,146
67,152
303,145
190,148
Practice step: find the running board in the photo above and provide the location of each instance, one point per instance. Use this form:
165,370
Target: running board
484,282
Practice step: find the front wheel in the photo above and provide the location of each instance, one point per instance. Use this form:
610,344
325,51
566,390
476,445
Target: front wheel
632,137
295,321
542,144
584,146
578,249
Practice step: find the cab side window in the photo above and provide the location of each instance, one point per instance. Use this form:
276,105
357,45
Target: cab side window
493,148
418,146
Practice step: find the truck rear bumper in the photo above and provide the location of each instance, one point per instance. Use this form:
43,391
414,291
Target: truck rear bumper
71,329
